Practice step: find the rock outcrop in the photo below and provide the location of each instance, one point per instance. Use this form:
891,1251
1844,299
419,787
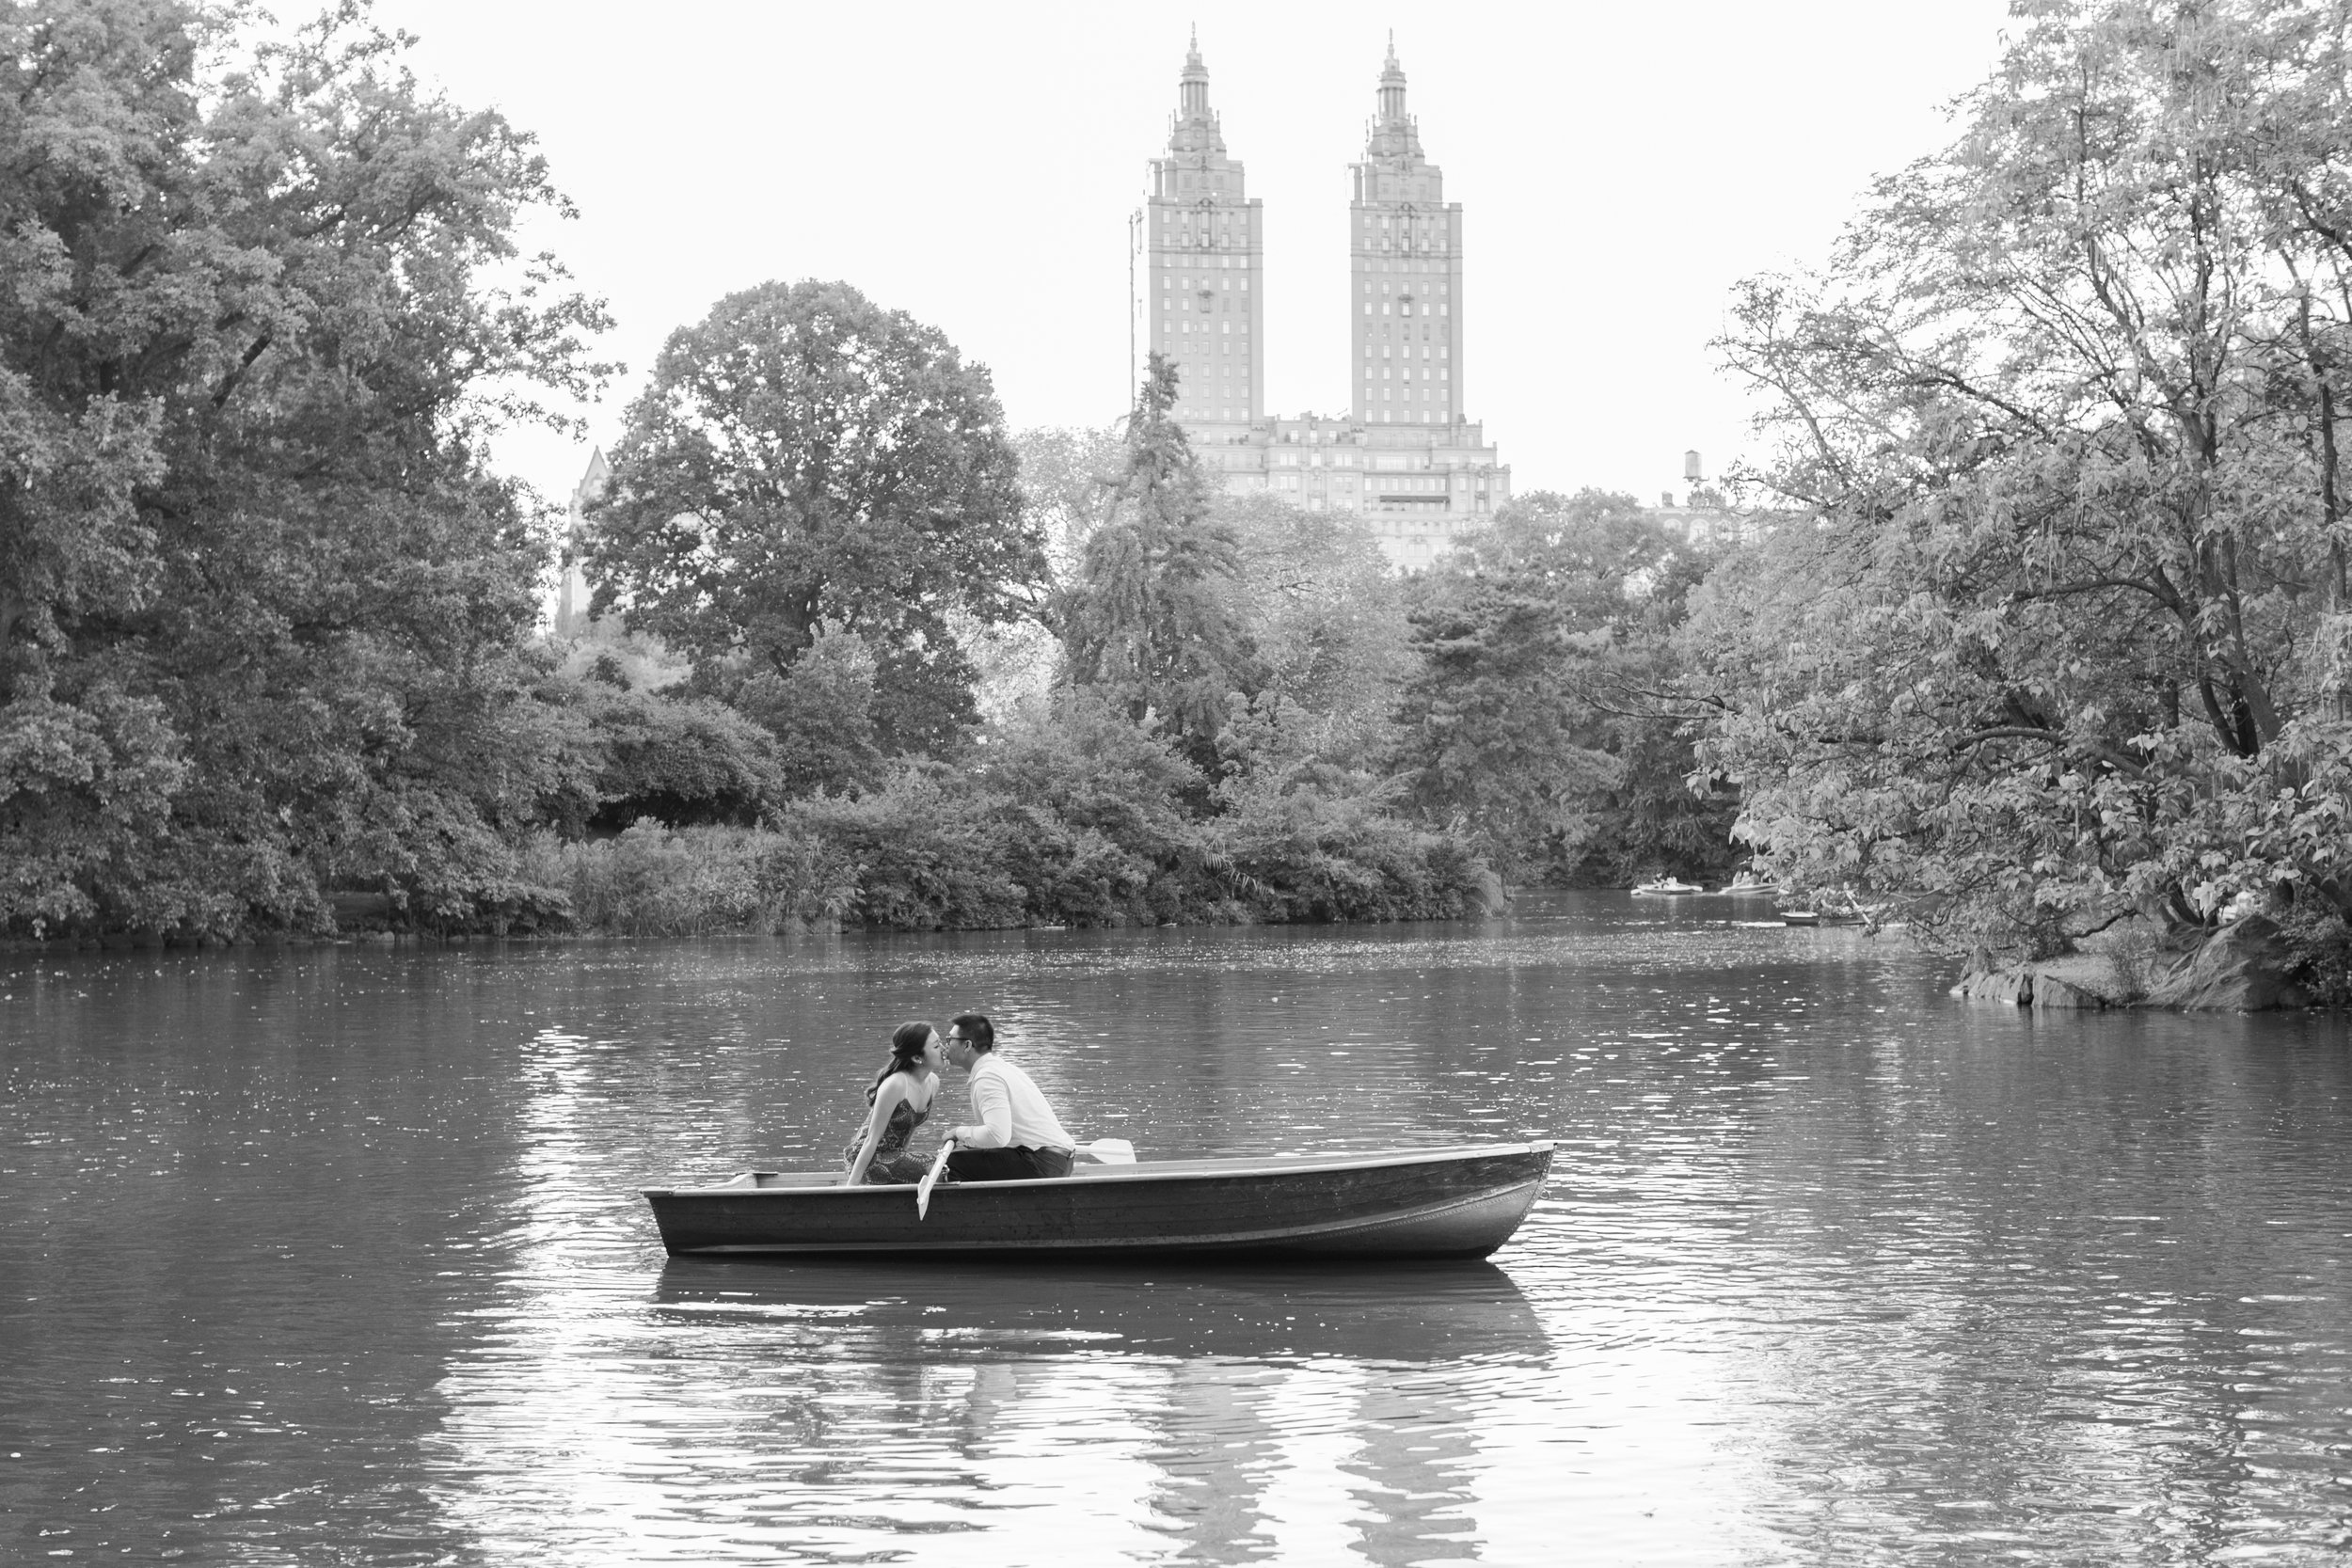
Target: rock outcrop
2240,967
2071,984
2050,991
2012,985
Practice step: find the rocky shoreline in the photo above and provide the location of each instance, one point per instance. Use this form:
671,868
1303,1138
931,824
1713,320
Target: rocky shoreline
2240,967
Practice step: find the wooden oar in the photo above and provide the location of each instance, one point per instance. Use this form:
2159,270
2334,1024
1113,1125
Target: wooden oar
930,1180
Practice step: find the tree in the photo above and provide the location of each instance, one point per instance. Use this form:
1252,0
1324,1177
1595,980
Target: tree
1065,475
820,712
1541,713
805,458
1325,616
2068,637
681,760
261,606
1152,618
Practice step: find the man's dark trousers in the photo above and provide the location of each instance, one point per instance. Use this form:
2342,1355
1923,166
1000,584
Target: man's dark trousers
1007,1164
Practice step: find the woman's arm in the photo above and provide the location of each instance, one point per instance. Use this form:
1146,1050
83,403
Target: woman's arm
886,1098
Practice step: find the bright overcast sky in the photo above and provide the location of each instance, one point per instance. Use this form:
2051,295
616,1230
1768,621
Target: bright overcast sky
1619,166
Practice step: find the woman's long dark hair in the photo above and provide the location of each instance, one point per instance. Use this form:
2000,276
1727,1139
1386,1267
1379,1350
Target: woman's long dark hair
906,1054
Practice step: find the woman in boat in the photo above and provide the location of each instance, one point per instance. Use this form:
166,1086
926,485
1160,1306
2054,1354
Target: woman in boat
900,1097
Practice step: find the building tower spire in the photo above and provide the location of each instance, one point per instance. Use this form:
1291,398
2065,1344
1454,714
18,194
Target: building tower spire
1404,240
1408,465
1204,294
1392,85
1192,90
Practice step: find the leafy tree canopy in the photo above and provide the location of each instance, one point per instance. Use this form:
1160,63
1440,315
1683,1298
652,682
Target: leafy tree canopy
1154,617
1540,716
1325,616
805,457
2069,637
259,603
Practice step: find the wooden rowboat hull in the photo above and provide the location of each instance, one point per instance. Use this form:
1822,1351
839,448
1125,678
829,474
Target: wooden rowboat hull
1418,1203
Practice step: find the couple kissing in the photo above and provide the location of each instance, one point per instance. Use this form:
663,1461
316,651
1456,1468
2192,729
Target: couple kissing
1016,1136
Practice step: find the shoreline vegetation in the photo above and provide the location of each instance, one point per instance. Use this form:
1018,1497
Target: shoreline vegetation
855,652
2031,632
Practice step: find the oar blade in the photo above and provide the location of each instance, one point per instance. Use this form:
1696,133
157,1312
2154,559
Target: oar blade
930,1180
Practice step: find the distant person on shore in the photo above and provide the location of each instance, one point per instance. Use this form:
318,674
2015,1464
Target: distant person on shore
1017,1136
900,1097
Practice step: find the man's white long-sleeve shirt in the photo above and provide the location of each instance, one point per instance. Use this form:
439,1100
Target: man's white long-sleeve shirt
1012,1112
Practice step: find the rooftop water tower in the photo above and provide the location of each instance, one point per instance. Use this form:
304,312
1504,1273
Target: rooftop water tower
1693,472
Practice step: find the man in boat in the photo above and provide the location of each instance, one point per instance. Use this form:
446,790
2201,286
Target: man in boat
1018,1136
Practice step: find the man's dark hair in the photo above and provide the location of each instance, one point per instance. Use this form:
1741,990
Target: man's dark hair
976,1028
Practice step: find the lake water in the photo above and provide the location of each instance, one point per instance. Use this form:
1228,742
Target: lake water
336,1256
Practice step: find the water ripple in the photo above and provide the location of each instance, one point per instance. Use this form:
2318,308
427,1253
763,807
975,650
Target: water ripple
336,1257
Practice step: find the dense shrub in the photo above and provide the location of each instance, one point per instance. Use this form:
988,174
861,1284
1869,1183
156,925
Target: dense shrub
1075,818
925,852
1091,812
1306,839
656,881
682,759
2318,941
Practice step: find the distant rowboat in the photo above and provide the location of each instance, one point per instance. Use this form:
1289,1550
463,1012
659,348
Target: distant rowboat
1665,887
1412,1203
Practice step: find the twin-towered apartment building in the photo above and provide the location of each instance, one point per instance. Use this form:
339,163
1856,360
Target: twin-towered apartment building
1406,456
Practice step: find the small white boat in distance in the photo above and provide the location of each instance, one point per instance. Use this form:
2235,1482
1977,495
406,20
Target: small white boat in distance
1748,881
1663,887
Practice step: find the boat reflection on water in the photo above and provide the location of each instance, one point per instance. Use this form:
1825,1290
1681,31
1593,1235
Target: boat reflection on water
1436,1311
1249,1414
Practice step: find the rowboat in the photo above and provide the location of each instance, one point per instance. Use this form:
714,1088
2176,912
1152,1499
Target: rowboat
1665,886
1460,1202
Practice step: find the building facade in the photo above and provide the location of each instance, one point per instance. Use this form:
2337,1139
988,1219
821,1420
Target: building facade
1405,274
1407,458
571,590
1414,488
1205,272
